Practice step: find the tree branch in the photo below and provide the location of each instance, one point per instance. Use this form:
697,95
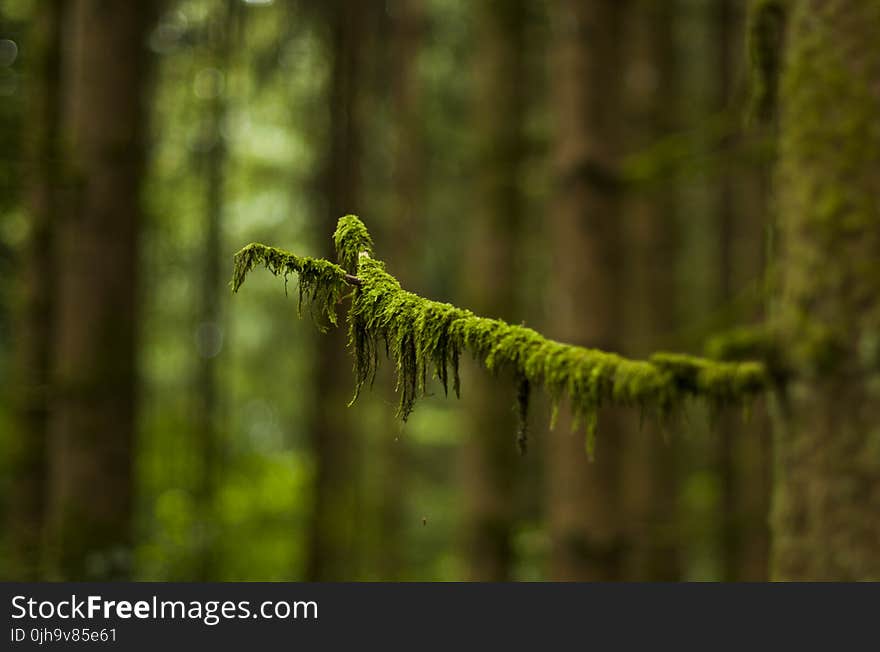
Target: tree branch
422,335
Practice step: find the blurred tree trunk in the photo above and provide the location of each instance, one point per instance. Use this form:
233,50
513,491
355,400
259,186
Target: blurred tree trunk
731,534
827,493
36,318
583,497
407,28
743,448
490,448
209,332
650,488
334,444
753,452
93,417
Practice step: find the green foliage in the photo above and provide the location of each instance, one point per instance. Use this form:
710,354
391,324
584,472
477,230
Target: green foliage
423,336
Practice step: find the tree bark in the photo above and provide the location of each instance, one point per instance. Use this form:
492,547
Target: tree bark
209,329
583,497
407,33
827,487
93,417
744,454
489,454
650,489
36,318
333,522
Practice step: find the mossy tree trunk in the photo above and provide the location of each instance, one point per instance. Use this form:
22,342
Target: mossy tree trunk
650,481
489,453
36,318
93,416
583,497
827,493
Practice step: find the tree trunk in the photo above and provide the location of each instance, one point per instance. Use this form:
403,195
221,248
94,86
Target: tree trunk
37,312
743,448
583,497
335,448
650,462
489,453
827,493
209,330
93,418
407,28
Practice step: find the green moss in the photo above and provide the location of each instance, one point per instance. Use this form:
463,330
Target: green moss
321,283
827,185
752,343
424,337
824,517
747,342
351,239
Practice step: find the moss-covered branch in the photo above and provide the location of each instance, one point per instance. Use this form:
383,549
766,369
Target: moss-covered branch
425,337
321,283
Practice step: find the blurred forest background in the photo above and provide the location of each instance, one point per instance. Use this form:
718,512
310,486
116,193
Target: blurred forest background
585,168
